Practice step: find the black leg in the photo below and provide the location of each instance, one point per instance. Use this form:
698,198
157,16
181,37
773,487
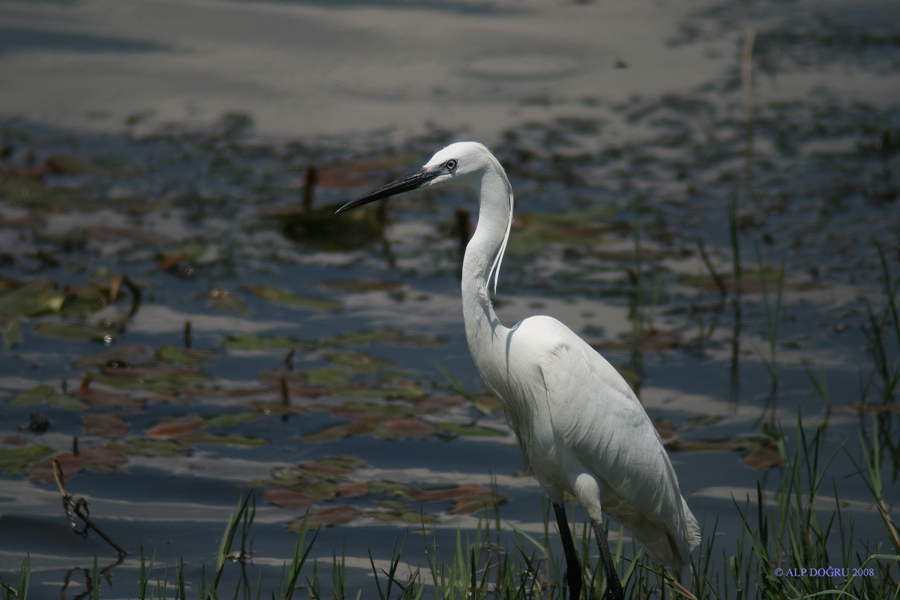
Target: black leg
573,567
613,585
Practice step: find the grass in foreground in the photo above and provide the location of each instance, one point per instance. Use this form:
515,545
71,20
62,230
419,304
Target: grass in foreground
782,533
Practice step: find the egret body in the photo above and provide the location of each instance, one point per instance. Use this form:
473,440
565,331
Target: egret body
579,425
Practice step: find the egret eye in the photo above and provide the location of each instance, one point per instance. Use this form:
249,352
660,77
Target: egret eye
450,164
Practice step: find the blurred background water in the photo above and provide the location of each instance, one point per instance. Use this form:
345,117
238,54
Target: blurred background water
176,295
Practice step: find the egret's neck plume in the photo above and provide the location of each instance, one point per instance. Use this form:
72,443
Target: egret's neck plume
484,332
494,222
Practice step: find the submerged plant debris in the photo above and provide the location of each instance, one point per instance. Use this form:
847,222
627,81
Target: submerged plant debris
175,317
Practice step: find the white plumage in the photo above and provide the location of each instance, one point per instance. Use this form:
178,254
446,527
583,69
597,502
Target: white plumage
575,417
579,425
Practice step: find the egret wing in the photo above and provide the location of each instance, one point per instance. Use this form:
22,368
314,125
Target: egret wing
597,417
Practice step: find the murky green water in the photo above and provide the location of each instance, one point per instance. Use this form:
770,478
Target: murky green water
168,302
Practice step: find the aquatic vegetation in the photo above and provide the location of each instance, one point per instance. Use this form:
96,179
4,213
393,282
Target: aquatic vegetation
181,329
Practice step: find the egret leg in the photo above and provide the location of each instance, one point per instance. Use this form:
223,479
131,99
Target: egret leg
613,585
573,567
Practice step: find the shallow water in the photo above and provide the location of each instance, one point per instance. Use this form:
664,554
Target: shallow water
199,223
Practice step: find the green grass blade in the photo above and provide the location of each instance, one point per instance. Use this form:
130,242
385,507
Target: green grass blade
228,537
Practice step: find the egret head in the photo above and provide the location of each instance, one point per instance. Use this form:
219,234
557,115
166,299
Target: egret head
458,163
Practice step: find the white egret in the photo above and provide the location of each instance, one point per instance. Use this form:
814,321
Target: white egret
579,425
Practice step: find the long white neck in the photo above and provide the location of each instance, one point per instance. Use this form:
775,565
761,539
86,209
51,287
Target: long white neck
481,264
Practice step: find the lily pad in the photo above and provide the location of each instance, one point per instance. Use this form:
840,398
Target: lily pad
292,300
391,504
161,448
469,497
371,410
76,331
322,470
448,493
470,504
174,427
344,462
231,419
319,490
281,476
15,461
406,516
335,515
288,498
413,429
261,342
45,393
97,397
385,486
234,439
293,384
359,362
336,432
385,392
69,463
437,402
101,459
187,357
277,407
33,299
353,489
148,372
105,425
315,478
164,381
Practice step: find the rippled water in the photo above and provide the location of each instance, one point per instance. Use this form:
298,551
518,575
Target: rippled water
312,338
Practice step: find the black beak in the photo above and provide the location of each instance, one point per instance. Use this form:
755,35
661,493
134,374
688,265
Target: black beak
404,184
